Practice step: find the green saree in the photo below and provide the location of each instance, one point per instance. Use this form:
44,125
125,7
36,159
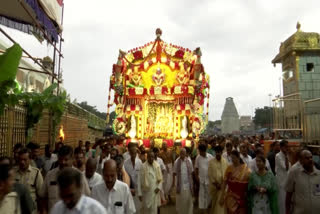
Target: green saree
266,203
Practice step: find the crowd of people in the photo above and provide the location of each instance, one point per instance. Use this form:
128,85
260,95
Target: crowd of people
221,175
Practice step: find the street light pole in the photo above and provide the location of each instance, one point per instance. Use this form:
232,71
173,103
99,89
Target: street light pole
270,113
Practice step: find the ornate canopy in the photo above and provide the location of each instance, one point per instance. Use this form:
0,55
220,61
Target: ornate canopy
159,77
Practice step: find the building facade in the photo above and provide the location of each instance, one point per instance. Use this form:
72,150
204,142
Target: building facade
299,56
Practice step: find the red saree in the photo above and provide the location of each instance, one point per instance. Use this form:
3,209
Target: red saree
237,179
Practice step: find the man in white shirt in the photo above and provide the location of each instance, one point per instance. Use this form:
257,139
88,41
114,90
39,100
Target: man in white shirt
49,159
126,155
50,191
103,157
113,194
227,154
159,160
79,159
303,187
201,169
9,201
72,200
132,166
282,168
244,154
150,183
184,186
163,171
92,176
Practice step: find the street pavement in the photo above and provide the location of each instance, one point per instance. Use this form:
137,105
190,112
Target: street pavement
170,208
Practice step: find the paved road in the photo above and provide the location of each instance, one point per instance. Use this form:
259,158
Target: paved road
171,209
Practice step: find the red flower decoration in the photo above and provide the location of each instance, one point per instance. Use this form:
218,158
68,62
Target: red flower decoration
176,65
201,101
164,90
151,91
179,53
132,91
138,55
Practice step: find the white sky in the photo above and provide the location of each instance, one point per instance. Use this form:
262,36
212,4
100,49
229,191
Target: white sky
238,40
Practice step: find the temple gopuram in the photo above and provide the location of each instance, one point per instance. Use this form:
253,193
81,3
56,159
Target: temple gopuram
160,93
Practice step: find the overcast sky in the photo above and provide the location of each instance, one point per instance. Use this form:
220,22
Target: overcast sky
238,38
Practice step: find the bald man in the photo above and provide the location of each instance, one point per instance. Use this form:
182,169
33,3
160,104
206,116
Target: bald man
304,184
92,176
113,194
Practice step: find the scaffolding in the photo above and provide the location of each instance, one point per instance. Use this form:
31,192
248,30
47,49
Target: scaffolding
312,121
294,118
54,72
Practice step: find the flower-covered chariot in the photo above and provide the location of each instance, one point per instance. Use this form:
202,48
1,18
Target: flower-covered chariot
160,91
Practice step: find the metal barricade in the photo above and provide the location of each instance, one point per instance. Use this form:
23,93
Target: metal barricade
312,121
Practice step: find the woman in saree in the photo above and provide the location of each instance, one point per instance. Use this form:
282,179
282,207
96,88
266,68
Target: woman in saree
262,190
235,186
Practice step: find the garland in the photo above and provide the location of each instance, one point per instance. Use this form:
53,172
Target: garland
132,64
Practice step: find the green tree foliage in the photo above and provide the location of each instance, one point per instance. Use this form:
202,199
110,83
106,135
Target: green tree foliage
93,110
112,117
263,117
9,63
211,127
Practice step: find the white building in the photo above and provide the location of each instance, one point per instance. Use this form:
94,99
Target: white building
230,122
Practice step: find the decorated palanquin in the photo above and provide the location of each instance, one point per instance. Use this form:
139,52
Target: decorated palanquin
160,91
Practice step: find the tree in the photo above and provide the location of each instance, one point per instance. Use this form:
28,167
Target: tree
211,127
263,117
112,117
93,110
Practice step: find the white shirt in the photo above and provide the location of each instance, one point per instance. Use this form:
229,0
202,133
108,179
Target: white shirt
253,165
296,166
247,159
85,205
100,165
202,163
133,172
119,194
184,173
49,161
126,155
227,157
281,171
161,163
95,180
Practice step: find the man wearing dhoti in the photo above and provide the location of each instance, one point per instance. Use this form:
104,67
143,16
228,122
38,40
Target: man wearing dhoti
133,166
167,158
150,184
201,170
184,186
216,170
282,168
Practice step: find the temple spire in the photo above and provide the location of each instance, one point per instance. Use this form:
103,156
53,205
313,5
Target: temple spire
298,26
